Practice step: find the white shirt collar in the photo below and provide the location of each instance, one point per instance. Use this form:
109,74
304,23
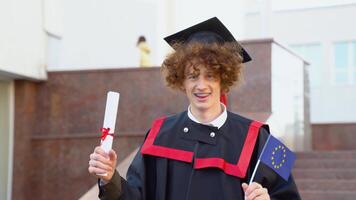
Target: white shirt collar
217,122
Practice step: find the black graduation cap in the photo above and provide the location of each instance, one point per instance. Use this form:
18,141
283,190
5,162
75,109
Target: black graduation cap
209,31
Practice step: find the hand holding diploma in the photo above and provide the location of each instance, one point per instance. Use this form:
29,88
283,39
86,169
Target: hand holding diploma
101,164
103,160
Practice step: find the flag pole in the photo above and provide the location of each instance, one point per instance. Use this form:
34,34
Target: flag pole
254,172
258,161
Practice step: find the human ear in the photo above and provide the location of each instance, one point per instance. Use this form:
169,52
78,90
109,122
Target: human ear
224,90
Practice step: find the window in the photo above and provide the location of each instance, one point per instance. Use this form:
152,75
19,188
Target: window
344,63
312,54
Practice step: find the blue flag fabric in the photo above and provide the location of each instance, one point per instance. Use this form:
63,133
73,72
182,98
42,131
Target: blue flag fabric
278,157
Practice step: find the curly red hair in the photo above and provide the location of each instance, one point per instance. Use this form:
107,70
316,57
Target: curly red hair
224,60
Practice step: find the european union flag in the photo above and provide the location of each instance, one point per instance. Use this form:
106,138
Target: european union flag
278,157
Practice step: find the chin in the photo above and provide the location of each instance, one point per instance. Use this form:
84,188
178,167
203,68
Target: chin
201,107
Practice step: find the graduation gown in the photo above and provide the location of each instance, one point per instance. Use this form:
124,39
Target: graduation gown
184,160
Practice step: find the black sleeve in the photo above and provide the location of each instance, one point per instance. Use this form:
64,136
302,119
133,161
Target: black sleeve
278,188
120,189
139,185
111,190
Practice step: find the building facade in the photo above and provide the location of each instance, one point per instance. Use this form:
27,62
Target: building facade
323,34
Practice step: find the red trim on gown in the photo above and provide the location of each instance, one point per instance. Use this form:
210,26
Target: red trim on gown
238,169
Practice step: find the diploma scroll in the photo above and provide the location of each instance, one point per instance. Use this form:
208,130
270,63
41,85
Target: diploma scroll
112,103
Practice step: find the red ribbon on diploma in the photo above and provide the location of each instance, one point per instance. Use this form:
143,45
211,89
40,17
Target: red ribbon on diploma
105,132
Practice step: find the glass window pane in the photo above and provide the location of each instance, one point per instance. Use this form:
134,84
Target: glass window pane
341,77
340,54
354,55
297,49
354,62
313,56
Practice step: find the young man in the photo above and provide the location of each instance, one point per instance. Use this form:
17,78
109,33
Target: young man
205,152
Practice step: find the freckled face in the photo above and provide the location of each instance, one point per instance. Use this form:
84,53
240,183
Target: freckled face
202,89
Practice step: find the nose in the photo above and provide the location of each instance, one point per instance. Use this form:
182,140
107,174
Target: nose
201,83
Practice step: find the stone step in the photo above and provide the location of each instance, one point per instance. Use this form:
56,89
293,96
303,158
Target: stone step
326,185
327,155
326,175
327,195
325,163
346,174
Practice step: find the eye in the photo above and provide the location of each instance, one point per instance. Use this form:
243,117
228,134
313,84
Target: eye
210,76
192,77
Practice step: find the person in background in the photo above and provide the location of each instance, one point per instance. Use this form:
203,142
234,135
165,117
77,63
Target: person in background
145,50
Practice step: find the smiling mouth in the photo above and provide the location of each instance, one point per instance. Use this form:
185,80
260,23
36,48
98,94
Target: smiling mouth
201,96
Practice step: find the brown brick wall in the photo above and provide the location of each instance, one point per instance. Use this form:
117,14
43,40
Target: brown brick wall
334,136
57,123
25,112
253,95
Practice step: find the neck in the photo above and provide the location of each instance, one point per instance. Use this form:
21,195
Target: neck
208,115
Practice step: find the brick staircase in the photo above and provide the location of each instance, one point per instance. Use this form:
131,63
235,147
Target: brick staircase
326,175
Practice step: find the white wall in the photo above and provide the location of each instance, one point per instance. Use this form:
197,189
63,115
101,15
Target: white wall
287,119
231,13
22,39
323,25
254,6
6,138
307,25
102,34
